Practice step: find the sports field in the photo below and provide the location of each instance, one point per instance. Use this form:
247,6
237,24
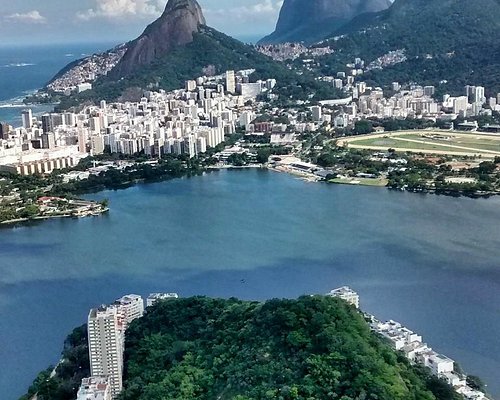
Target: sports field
430,142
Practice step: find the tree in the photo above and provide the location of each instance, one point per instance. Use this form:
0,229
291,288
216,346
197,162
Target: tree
487,167
363,127
327,160
105,203
475,383
263,155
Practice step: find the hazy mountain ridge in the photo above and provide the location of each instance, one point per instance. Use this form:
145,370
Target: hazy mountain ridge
312,20
449,40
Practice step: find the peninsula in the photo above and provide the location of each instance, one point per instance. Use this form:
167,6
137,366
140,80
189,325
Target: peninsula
202,348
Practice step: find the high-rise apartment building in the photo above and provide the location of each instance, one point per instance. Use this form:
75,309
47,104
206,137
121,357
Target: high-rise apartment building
48,140
230,82
316,113
106,334
46,123
4,130
27,117
479,96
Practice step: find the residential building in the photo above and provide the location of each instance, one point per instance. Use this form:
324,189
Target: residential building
347,294
106,338
95,388
131,307
230,82
155,297
27,118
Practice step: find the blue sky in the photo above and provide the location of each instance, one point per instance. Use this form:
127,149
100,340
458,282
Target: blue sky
57,21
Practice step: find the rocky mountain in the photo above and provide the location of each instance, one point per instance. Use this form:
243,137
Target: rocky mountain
452,42
313,20
178,47
176,27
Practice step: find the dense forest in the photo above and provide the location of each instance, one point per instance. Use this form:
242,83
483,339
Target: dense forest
313,348
310,348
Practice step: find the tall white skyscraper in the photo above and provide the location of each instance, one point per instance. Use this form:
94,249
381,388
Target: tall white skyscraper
106,334
316,113
27,117
230,82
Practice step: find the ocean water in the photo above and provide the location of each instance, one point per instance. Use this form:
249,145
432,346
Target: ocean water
430,262
23,70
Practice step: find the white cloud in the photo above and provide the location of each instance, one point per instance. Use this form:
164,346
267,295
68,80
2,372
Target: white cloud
31,17
115,9
264,9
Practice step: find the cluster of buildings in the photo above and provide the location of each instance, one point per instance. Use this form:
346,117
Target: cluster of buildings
411,345
363,101
107,326
185,121
415,102
292,51
80,77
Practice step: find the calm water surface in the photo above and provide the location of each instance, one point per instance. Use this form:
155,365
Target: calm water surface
25,69
430,262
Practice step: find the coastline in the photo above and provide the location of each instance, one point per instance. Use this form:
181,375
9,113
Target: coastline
13,222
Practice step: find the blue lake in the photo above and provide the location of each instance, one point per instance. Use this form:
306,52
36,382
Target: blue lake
430,262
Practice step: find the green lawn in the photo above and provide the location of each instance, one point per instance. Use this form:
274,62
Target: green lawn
403,144
380,182
474,143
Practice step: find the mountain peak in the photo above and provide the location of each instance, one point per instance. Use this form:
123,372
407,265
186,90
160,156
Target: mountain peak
190,5
175,27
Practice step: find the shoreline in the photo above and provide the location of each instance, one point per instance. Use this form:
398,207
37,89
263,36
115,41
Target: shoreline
12,222
303,176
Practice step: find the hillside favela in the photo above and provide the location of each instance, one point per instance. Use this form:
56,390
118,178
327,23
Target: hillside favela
302,196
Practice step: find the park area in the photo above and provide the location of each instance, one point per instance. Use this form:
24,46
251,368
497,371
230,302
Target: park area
429,142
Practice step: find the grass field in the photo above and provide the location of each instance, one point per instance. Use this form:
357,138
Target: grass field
380,182
439,142
402,144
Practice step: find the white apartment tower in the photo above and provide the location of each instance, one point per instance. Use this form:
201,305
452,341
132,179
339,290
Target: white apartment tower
105,334
27,117
230,82
316,113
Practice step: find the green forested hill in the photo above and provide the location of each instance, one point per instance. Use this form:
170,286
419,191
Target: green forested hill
209,48
311,348
453,40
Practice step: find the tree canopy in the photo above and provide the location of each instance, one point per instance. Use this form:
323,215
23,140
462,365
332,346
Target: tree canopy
310,348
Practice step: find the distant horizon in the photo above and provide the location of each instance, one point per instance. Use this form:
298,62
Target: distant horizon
252,39
26,23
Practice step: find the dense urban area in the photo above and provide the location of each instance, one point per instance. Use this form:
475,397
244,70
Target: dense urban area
371,104
405,139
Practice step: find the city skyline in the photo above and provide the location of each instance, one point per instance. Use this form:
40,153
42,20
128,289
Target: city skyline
28,22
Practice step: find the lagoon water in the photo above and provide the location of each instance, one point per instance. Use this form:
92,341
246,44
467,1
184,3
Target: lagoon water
430,262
